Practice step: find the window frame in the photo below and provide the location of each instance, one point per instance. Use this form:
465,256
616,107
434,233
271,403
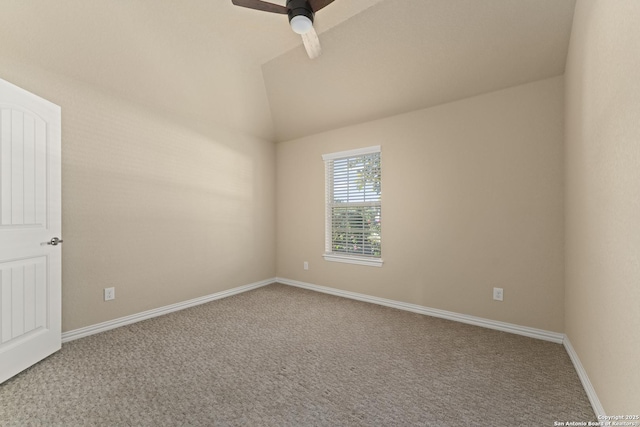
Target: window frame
329,255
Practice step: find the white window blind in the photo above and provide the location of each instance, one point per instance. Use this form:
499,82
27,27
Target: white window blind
354,206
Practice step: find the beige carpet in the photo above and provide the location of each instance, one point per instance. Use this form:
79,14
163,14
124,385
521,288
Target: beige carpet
282,356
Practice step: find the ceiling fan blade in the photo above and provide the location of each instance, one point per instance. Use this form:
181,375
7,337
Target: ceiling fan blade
316,5
312,43
261,5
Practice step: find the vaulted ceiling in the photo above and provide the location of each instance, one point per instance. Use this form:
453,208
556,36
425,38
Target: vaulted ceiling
247,69
402,55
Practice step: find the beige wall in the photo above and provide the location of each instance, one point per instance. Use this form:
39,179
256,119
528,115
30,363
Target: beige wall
161,208
603,199
472,199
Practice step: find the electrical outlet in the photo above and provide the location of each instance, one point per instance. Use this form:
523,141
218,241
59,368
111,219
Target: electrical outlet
498,294
306,265
109,294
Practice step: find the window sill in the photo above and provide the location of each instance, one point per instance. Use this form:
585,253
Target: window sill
371,262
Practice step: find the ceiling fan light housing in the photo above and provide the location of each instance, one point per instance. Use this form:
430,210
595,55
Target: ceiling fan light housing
300,15
300,24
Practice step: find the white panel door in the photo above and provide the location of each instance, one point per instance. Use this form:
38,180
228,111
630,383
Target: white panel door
30,217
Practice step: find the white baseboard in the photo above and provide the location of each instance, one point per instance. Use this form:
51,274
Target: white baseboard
112,324
584,378
449,315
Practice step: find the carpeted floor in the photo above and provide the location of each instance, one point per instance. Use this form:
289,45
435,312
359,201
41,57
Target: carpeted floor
283,356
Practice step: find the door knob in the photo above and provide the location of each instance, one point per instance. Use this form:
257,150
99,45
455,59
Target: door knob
54,241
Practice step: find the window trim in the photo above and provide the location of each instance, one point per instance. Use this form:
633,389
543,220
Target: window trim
352,153
333,256
350,259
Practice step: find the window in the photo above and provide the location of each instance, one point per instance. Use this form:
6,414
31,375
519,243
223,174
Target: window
353,206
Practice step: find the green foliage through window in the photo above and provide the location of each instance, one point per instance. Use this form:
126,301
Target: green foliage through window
355,205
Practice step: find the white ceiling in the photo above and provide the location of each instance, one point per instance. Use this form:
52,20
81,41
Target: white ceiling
403,55
380,57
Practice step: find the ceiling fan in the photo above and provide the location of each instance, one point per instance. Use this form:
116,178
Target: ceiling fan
301,14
